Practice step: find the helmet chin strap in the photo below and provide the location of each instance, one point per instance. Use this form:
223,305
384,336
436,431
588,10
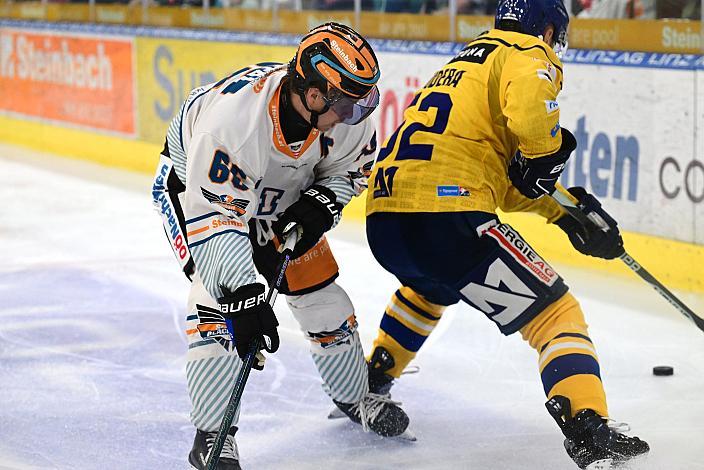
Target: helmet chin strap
313,114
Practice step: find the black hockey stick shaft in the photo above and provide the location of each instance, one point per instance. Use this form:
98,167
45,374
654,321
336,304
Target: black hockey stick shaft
249,359
632,264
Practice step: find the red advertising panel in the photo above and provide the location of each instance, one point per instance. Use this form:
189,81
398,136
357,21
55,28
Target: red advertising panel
75,79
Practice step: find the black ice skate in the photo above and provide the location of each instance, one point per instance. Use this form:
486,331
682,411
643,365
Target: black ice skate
591,443
377,411
229,457
379,381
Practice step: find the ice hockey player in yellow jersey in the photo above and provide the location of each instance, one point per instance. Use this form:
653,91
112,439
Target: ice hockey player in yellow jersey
484,134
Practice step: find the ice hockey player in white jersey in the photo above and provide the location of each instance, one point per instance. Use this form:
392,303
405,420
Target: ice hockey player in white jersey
269,145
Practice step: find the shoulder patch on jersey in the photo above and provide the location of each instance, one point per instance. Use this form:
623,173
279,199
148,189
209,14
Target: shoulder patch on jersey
238,206
551,106
475,52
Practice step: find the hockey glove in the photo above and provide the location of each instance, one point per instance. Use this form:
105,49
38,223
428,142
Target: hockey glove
601,238
249,317
536,177
315,213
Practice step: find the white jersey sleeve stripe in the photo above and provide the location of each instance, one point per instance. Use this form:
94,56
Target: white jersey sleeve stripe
238,271
201,217
205,240
341,186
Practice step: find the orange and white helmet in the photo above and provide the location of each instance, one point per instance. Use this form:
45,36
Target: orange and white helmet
341,64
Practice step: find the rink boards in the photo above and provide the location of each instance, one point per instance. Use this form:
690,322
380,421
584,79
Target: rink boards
107,94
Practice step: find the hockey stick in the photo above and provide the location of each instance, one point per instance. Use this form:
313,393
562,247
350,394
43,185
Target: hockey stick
249,359
632,264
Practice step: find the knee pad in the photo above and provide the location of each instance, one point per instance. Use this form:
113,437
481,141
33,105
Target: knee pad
326,317
562,316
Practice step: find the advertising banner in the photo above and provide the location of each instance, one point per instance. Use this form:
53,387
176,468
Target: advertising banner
635,131
675,36
170,68
80,80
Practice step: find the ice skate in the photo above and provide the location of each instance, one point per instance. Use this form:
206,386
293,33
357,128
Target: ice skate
203,442
591,442
377,411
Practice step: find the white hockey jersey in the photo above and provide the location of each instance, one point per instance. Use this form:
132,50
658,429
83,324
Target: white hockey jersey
227,147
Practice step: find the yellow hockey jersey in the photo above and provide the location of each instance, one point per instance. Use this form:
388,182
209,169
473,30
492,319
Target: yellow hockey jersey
451,152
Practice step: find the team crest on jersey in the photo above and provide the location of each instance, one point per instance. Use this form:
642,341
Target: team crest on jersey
238,206
211,325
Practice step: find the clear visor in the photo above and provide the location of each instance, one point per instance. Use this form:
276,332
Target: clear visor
560,46
350,110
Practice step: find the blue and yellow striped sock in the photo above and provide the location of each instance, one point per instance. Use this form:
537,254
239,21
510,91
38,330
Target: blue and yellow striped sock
567,360
407,322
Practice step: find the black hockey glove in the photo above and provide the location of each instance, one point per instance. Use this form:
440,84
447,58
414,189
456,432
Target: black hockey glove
536,177
315,213
601,238
249,317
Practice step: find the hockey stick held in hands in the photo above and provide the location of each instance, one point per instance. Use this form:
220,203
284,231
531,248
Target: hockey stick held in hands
291,236
574,211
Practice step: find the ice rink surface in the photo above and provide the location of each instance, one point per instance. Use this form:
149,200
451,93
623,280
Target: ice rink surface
92,352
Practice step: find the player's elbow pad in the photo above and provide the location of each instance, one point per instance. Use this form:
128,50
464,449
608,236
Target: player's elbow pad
535,177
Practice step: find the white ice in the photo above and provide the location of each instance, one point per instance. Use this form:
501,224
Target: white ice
92,352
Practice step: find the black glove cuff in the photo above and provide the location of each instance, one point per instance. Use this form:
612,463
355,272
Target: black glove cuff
587,203
535,177
568,224
323,199
243,301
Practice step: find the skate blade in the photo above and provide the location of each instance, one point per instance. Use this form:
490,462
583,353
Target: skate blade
605,464
336,413
632,463
611,464
406,435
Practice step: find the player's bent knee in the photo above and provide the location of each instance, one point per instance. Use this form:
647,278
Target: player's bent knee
562,316
512,284
326,318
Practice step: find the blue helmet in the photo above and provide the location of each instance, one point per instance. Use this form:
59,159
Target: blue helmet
535,15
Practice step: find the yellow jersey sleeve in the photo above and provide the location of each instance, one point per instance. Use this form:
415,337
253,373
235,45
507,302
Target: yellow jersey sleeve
529,89
545,206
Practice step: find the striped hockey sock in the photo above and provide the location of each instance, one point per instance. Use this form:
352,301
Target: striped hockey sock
344,371
210,382
567,359
408,321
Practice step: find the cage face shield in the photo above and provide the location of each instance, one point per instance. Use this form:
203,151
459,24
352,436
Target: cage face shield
350,110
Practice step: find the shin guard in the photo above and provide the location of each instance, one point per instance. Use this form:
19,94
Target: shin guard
326,317
408,321
567,358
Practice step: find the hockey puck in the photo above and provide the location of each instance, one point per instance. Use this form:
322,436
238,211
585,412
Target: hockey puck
663,370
